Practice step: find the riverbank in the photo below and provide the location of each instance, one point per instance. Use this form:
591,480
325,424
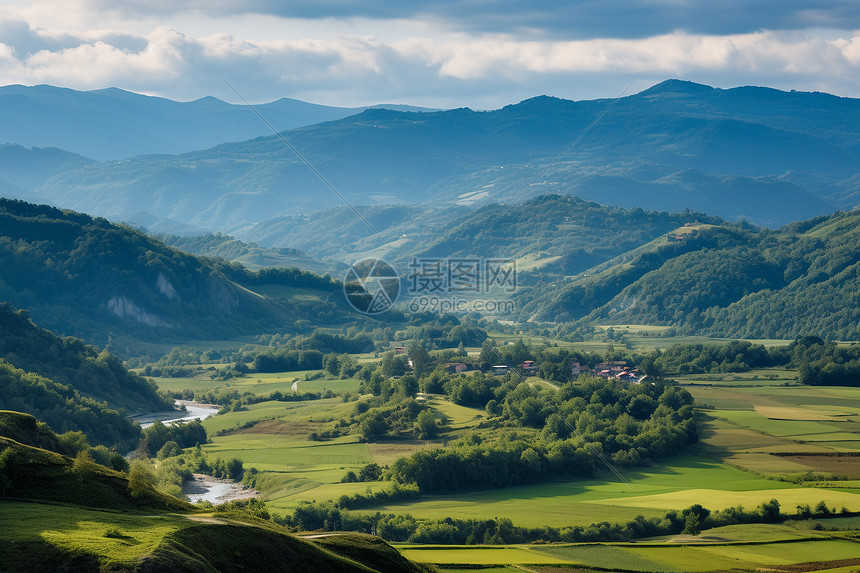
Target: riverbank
193,411
207,488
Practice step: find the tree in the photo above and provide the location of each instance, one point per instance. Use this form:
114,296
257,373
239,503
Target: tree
73,442
169,450
421,361
141,479
8,463
370,472
493,408
84,463
427,428
373,426
489,353
769,510
692,525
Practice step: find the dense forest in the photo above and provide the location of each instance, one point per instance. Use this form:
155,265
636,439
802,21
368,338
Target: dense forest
69,361
89,278
69,384
731,281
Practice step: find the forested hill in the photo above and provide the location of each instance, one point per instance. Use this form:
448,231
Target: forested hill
557,234
730,281
70,385
69,361
85,277
250,255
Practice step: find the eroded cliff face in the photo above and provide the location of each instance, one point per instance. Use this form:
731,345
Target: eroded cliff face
122,307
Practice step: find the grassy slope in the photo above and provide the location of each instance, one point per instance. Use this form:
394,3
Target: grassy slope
43,475
41,537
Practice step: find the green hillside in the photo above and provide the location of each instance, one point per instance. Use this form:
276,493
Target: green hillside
37,473
728,281
80,516
85,277
250,255
69,361
70,385
64,408
559,234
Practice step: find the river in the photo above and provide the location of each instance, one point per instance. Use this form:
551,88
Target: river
193,411
208,488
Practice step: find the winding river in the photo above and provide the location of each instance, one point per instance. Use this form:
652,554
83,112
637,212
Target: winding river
193,411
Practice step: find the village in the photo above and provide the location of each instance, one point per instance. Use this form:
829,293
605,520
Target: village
616,369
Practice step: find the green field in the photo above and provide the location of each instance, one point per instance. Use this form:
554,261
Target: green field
750,418
749,423
677,484
645,557
782,429
260,383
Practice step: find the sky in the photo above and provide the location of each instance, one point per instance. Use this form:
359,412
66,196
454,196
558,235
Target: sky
481,54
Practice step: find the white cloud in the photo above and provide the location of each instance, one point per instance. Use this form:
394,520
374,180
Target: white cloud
437,69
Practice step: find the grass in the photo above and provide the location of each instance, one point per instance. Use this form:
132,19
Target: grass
76,529
484,555
755,416
261,383
745,533
756,377
306,470
639,557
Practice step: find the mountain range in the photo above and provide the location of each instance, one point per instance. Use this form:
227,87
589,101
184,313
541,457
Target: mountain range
768,156
114,124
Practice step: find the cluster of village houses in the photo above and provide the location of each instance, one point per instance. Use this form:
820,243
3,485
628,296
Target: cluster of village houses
619,369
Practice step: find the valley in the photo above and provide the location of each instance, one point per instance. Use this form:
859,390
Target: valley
667,379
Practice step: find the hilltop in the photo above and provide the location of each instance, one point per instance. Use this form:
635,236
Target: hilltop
110,124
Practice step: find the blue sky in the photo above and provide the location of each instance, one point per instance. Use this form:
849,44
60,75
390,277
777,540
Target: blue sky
481,54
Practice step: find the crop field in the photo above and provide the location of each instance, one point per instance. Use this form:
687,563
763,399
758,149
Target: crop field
274,437
755,377
759,420
782,429
748,425
646,557
680,483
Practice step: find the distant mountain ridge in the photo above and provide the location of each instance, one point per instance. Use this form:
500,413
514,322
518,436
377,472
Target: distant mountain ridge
769,156
113,124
